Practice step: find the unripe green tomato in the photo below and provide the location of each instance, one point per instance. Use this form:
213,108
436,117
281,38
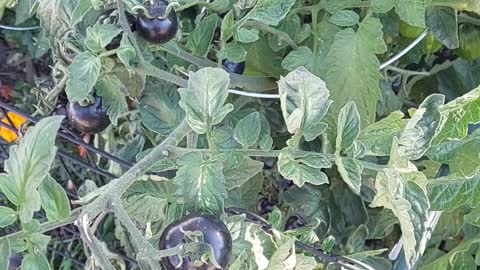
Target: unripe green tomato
431,44
469,36
410,31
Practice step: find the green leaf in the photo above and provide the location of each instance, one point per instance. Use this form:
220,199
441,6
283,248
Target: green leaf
234,52
39,241
29,164
82,76
271,12
6,253
402,189
159,109
463,260
301,56
245,35
247,130
410,206
54,19
351,172
412,11
450,192
147,201
201,183
7,216
305,262
266,143
445,261
422,128
257,52
282,257
203,100
377,138
294,27
113,93
345,18
304,101
245,196
303,168
200,39
126,53
352,70
473,217
83,7
22,11
54,200
333,6
443,24
381,6
357,239
100,35
35,262
466,159
459,113
239,169
348,127
226,28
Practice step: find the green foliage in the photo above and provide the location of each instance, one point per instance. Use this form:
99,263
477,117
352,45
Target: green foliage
349,149
28,166
203,100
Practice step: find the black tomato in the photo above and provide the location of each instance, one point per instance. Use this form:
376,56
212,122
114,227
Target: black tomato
396,85
294,222
285,184
14,262
214,232
264,206
90,119
233,67
157,30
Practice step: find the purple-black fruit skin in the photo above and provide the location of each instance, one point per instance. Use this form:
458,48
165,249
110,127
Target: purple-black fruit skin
264,206
232,67
90,119
14,262
294,222
214,231
157,30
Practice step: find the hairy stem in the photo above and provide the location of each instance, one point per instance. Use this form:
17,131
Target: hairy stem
117,187
45,227
282,36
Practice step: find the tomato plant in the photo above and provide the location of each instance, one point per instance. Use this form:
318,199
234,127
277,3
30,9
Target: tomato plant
240,134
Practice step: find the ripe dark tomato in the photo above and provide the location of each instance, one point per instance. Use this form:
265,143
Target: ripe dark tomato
285,184
90,119
264,206
233,67
396,85
14,262
294,222
214,232
157,30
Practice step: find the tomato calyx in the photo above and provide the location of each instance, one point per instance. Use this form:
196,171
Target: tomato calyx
157,22
215,233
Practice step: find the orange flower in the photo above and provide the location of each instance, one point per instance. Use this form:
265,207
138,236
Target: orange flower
17,121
